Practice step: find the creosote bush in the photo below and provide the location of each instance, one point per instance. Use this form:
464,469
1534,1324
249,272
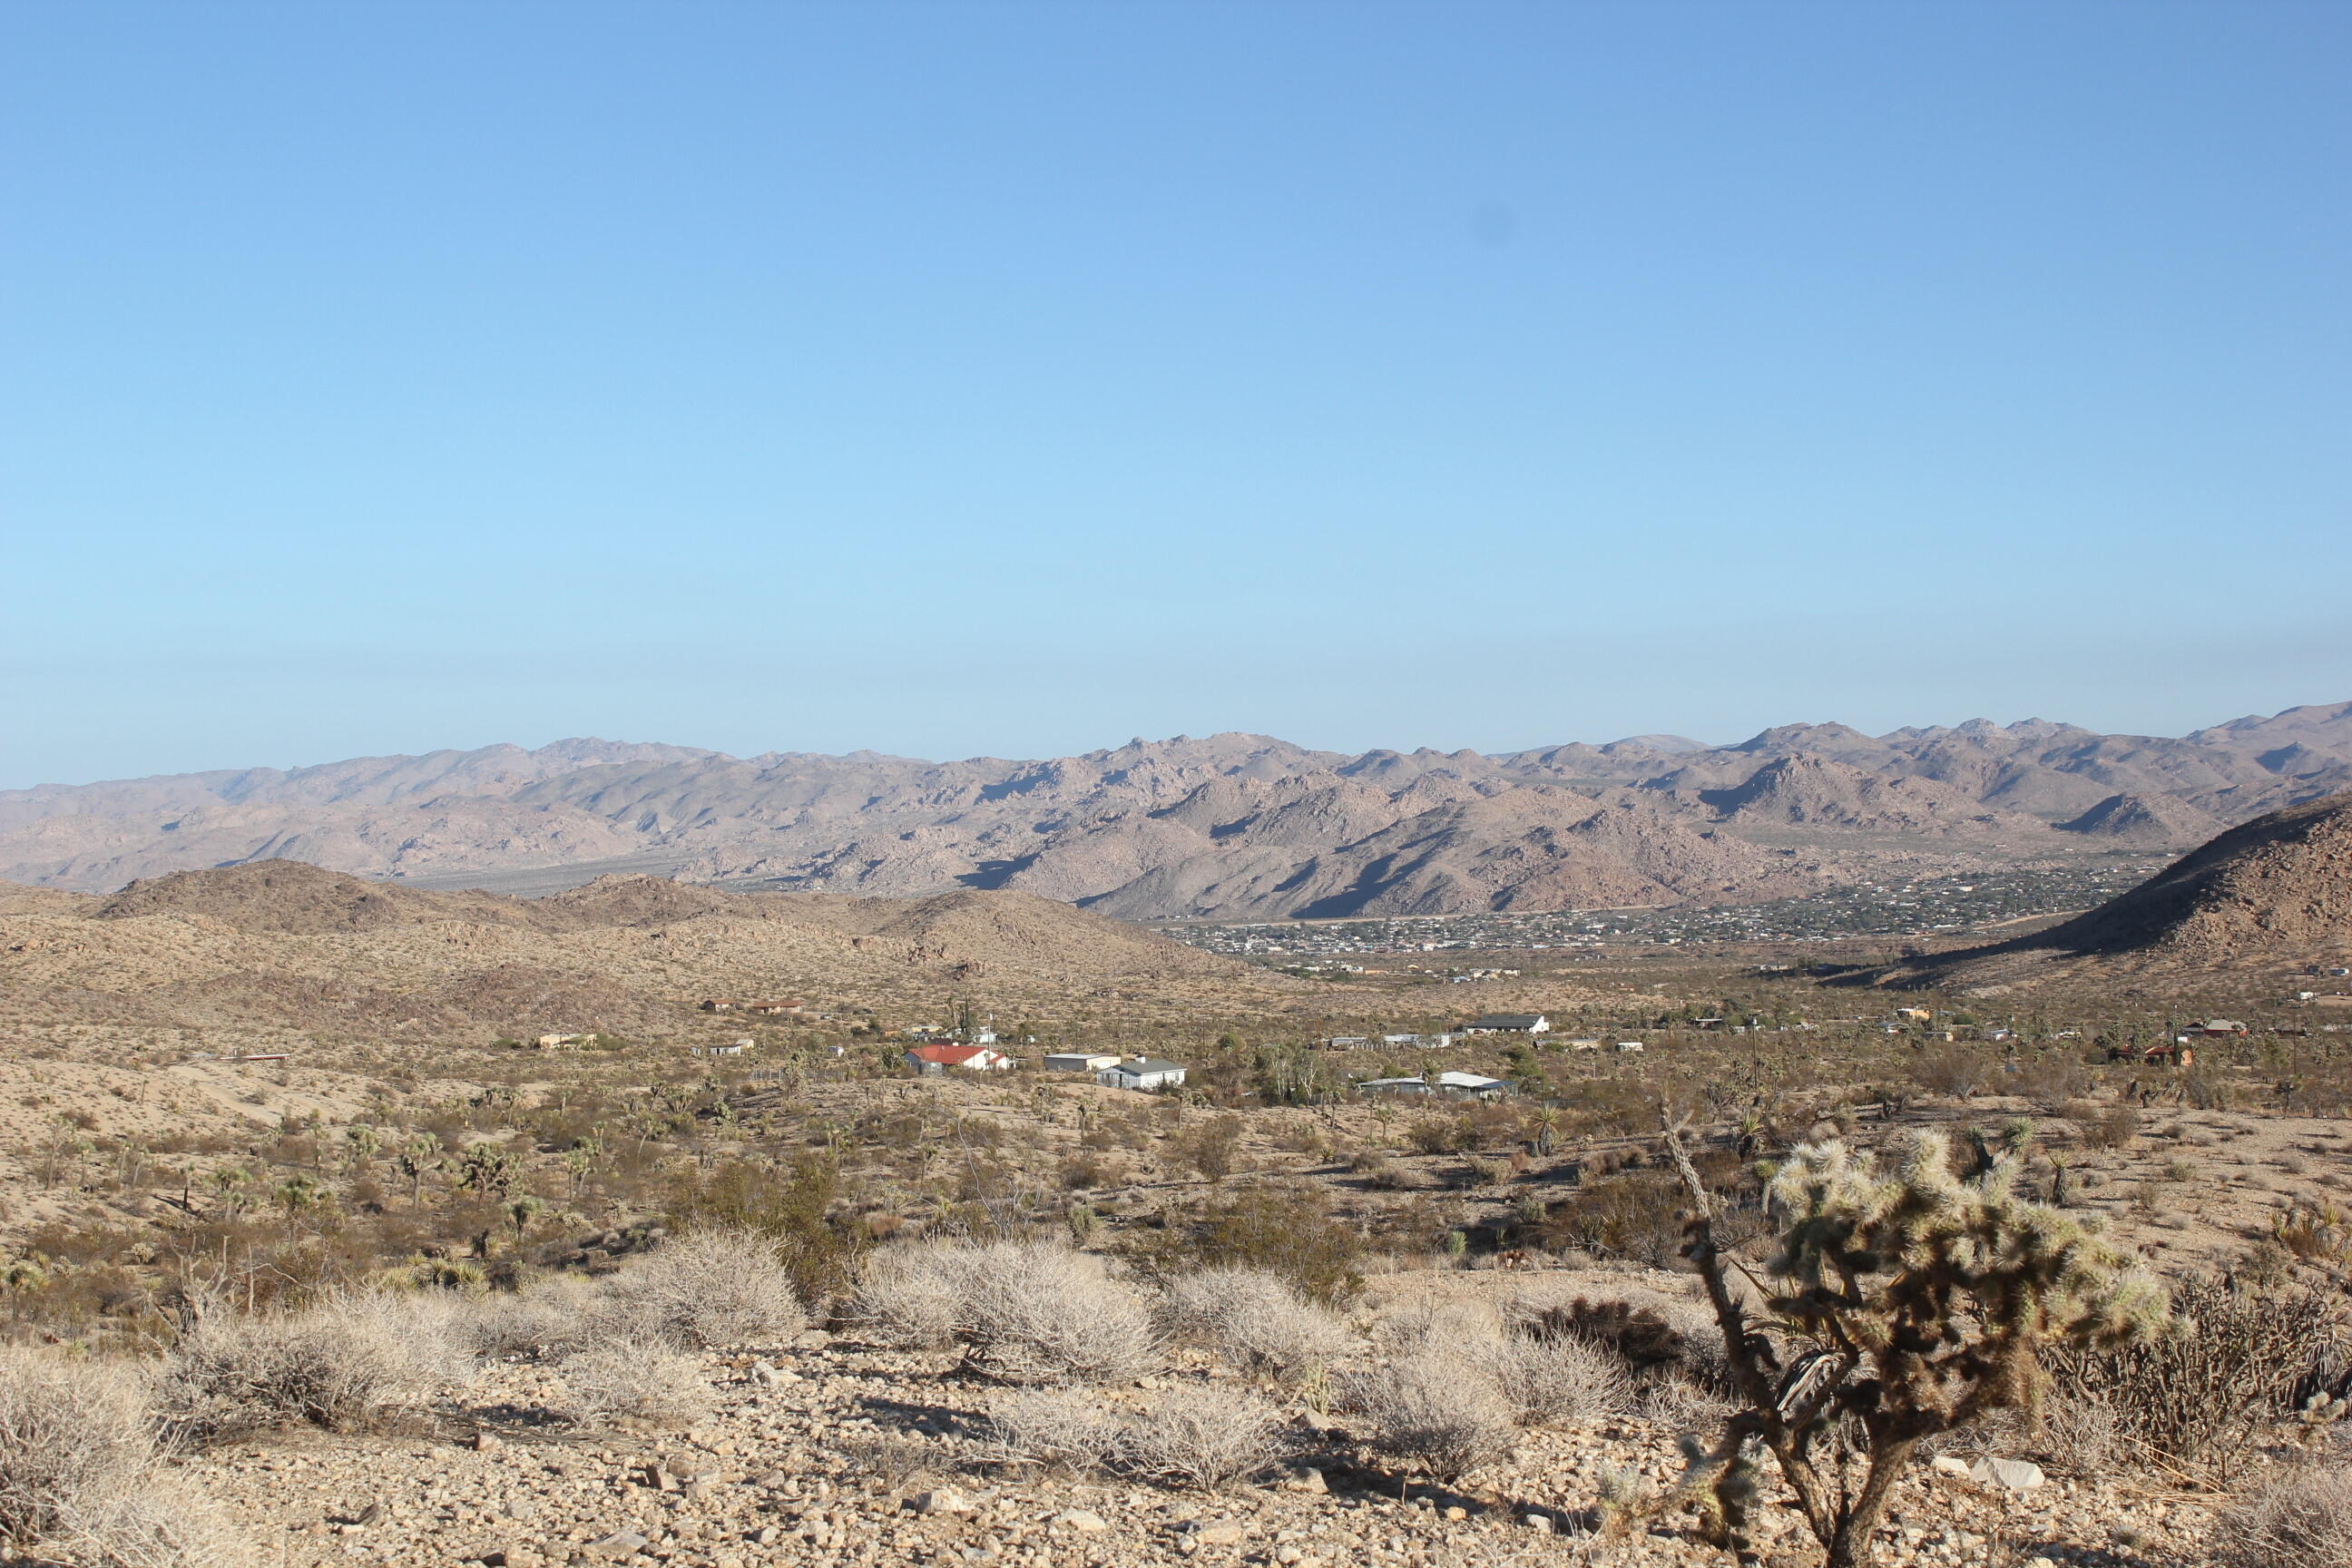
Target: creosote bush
716,1288
1205,1438
790,1206
1256,1320
1285,1228
1423,1409
650,1380
1028,1310
359,1361
80,1477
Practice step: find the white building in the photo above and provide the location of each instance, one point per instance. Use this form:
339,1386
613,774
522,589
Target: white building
1509,1024
1080,1061
1140,1073
1451,1085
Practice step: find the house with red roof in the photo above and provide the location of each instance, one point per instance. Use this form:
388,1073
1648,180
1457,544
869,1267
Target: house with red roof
971,1059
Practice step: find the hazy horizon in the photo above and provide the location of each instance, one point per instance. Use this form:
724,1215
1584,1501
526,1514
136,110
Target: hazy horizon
950,381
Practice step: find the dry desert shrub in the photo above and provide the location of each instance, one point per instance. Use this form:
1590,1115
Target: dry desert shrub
356,1362
1203,1437
1659,1341
2068,1433
543,1319
715,1289
1256,1320
1421,1409
2199,1394
2301,1518
1057,1426
1680,1404
646,1379
1550,1380
1029,1310
78,1472
913,1296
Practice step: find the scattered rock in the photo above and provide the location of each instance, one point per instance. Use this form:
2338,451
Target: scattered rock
2012,1475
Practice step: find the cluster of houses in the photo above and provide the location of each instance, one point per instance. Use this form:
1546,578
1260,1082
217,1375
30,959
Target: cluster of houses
1533,1025
1444,1085
1106,1067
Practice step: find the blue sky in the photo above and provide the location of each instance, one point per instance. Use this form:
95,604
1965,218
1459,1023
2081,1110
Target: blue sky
1012,379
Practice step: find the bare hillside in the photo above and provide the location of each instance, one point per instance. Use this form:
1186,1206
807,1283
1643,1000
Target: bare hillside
2272,894
285,945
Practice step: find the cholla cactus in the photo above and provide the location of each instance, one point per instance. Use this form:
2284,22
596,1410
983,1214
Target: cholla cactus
1898,1306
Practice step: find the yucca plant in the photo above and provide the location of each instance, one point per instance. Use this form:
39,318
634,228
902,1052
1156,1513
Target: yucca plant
1898,1305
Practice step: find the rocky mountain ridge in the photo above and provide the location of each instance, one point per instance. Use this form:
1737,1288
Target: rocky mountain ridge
2272,894
1230,828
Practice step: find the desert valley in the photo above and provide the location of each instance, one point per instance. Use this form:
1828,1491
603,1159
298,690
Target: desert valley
443,1188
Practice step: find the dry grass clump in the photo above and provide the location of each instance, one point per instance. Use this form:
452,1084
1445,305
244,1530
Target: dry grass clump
359,1361
718,1288
1029,1310
2068,1433
79,1479
1256,1320
2302,1518
649,1380
1203,1437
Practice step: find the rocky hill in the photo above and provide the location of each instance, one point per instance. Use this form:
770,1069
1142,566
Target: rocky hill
283,945
1232,826
2271,895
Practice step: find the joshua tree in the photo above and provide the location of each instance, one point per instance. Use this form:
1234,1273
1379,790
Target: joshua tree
1896,1307
578,1161
489,1170
2062,1180
419,1157
228,1184
297,1193
1547,1128
521,1212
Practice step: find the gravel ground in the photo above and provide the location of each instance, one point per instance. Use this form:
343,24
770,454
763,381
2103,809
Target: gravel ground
831,1452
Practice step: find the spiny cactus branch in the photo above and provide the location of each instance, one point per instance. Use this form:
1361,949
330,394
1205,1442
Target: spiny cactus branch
1925,1296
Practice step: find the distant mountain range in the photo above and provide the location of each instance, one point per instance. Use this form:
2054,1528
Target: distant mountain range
1230,828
